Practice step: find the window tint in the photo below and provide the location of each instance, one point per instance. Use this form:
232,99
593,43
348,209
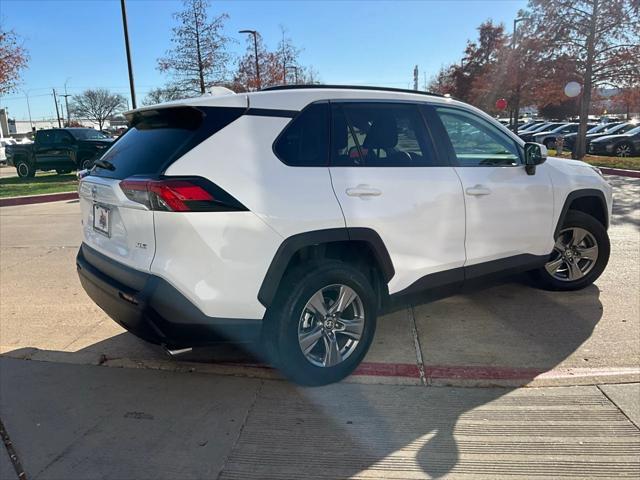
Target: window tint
62,138
45,136
156,138
305,141
476,142
379,135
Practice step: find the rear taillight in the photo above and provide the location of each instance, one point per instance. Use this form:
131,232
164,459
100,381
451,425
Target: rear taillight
179,194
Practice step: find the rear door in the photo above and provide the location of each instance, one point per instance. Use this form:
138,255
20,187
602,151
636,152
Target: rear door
388,177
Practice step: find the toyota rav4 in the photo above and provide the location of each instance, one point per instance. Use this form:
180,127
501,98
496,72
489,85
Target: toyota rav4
291,215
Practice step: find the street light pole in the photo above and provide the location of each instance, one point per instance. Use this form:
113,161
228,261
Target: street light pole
126,44
26,93
255,48
55,100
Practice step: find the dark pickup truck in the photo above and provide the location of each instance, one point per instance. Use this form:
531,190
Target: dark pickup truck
59,149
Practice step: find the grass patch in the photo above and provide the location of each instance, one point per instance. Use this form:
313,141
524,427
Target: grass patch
41,183
627,163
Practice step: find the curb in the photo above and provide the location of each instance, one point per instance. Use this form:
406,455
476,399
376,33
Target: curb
44,198
620,172
366,373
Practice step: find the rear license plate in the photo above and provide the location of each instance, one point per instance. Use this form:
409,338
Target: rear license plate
101,219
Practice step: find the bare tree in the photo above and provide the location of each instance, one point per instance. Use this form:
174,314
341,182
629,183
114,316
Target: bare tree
97,105
164,94
13,59
199,57
601,36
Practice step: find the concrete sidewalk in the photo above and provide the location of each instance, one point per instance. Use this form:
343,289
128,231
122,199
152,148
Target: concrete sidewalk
79,422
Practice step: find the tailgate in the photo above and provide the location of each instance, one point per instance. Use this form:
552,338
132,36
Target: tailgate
114,225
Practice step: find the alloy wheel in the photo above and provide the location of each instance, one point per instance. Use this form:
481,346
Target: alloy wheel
23,170
574,255
331,325
623,150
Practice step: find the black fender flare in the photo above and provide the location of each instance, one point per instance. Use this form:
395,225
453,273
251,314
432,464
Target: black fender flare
586,192
291,245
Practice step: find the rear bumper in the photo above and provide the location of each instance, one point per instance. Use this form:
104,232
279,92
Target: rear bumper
152,309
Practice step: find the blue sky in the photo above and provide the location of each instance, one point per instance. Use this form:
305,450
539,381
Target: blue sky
359,42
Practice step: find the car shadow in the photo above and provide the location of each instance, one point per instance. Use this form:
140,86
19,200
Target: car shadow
625,200
359,426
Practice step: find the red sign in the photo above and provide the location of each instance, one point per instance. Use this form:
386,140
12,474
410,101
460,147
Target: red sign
501,104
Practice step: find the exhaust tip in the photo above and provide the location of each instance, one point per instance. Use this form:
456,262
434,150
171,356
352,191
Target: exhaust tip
178,351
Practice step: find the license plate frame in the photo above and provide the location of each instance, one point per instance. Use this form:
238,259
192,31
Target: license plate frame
102,219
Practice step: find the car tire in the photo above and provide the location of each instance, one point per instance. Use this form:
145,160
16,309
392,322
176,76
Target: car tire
25,169
86,164
623,149
294,322
580,254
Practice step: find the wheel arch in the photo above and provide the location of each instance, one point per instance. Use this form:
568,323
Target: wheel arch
361,246
589,201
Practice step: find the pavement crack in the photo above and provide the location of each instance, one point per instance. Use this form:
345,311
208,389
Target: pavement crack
15,460
416,342
254,400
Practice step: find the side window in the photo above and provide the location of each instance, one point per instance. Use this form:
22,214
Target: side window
45,137
305,141
379,135
477,143
61,138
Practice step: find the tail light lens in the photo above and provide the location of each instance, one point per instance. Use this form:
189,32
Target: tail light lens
179,194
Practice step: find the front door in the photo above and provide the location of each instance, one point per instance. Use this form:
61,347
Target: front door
509,214
387,177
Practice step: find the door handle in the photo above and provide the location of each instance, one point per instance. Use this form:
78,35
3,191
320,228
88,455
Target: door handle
363,191
478,190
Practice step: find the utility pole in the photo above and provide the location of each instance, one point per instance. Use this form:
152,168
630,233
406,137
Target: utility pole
66,102
126,44
255,48
415,77
55,100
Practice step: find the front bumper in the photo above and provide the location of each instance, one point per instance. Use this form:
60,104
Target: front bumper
596,148
150,308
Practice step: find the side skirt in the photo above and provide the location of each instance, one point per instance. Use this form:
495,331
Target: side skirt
487,270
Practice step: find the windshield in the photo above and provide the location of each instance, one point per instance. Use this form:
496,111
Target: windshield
634,131
603,127
88,134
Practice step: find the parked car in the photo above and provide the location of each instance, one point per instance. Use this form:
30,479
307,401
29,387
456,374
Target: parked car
544,128
293,214
59,149
531,124
620,145
548,139
597,132
3,143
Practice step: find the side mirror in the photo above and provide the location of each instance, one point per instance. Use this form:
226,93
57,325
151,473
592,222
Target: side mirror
534,154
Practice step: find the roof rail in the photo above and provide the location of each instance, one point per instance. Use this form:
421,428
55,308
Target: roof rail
348,87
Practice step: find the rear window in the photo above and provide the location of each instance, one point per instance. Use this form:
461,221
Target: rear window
157,138
305,141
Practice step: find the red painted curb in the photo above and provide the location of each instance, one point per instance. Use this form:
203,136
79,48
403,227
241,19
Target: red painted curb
50,197
620,172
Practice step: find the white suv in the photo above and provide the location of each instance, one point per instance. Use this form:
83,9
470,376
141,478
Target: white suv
292,214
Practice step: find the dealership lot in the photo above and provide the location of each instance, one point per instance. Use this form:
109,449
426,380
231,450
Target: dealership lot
69,418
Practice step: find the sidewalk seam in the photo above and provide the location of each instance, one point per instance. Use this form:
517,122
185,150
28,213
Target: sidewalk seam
619,409
244,423
416,342
13,456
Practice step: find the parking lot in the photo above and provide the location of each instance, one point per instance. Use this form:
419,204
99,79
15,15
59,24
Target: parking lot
221,412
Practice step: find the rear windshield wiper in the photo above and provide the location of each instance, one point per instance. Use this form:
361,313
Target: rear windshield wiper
107,165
